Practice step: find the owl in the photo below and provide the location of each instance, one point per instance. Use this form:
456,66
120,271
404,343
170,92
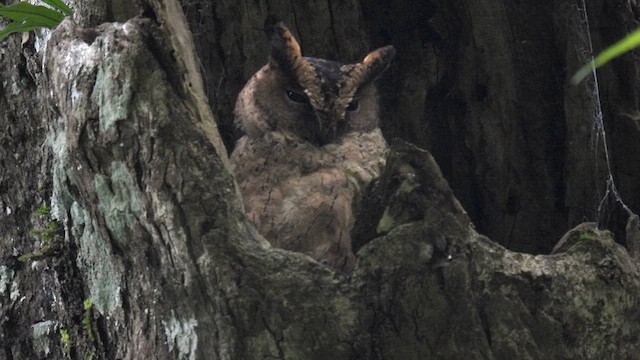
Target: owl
311,146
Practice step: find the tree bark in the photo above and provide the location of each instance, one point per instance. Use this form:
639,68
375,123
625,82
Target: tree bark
106,132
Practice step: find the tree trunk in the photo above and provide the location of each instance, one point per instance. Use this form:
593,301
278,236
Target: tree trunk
122,233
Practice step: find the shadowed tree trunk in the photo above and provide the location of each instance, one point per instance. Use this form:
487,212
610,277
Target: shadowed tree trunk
122,233
482,86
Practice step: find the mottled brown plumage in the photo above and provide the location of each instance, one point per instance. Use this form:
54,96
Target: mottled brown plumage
311,145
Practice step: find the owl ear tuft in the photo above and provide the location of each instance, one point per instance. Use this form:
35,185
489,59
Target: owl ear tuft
286,56
364,73
285,50
376,63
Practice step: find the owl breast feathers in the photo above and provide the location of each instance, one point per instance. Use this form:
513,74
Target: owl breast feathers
311,146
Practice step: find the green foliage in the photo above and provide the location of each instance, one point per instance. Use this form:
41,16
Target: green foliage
629,42
65,339
51,229
26,17
48,233
87,325
48,236
43,253
43,211
88,304
587,236
86,319
60,6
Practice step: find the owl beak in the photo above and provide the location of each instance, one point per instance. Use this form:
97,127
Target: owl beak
327,125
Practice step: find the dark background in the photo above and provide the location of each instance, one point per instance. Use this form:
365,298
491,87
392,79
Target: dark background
483,87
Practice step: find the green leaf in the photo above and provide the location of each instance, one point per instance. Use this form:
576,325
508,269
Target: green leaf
43,210
16,27
60,6
630,42
33,14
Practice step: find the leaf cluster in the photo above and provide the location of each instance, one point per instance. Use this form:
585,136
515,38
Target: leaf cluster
26,17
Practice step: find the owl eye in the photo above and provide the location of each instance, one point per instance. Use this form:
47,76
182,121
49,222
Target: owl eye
353,105
297,97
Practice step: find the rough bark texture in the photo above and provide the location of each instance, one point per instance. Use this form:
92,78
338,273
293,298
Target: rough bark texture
108,129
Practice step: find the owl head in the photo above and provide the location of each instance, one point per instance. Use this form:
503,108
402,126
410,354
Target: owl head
315,100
